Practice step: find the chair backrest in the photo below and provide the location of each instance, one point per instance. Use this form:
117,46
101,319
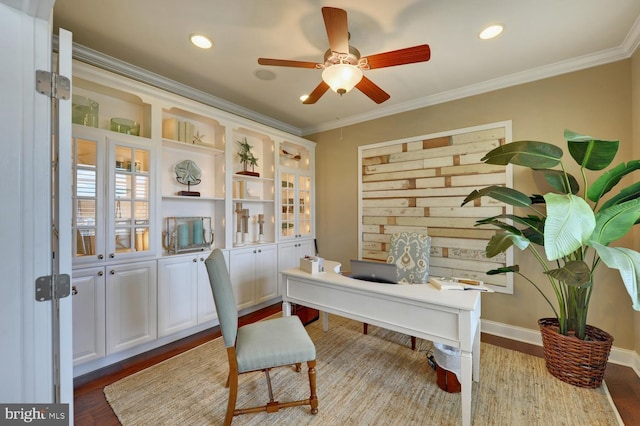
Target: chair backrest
410,252
223,296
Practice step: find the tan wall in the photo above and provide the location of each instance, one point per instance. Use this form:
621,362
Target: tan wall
596,101
635,120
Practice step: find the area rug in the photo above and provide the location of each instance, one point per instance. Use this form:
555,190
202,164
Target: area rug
373,379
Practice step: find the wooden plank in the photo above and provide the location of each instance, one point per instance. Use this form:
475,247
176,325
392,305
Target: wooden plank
437,222
436,142
388,184
475,212
461,233
372,229
480,135
388,202
371,245
442,202
484,179
445,151
389,211
393,229
393,167
420,192
436,162
465,265
469,243
382,150
379,238
404,174
471,169
435,182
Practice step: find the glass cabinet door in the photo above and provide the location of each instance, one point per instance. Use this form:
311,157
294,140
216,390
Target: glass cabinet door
288,197
296,219
304,206
129,227
87,193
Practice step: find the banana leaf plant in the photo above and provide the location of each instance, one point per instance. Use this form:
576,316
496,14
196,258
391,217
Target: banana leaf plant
568,231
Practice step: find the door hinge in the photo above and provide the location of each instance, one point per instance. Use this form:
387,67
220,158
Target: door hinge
53,286
53,85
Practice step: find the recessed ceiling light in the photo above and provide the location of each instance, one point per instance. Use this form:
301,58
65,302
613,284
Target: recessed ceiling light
201,41
264,75
304,98
491,32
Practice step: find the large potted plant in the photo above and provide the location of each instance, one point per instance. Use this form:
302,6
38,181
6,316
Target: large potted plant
568,231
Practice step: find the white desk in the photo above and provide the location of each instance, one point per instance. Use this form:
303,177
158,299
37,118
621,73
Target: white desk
449,317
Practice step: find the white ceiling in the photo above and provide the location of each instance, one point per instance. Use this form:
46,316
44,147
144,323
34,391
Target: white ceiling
541,38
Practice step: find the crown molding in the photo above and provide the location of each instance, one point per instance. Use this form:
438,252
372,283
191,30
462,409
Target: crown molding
109,63
583,62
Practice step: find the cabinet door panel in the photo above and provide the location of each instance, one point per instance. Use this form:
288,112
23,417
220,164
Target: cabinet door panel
131,305
266,273
88,315
242,273
206,306
177,294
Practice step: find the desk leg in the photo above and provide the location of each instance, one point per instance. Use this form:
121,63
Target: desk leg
476,355
325,320
465,373
286,309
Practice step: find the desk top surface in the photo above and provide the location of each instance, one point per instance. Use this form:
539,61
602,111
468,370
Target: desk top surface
458,299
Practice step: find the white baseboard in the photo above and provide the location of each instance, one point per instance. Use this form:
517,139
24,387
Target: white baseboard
619,356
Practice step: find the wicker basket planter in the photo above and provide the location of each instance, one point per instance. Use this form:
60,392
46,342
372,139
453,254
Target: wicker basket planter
578,362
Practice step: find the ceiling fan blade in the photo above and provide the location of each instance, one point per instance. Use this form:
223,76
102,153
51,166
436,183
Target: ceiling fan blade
286,63
370,89
335,21
408,55
317,93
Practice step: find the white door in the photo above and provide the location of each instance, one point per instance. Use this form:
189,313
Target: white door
61,206
28,371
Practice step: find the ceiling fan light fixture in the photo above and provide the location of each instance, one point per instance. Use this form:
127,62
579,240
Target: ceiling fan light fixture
201,41
341,78
490,32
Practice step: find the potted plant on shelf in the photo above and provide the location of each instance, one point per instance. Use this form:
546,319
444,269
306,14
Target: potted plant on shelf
569,232
247,159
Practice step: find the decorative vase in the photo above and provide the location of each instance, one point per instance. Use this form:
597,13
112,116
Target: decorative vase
578,362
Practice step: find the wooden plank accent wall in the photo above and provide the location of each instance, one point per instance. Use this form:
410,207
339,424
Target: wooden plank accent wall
419,186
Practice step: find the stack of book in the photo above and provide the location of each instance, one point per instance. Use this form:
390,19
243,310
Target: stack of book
178,130
453,283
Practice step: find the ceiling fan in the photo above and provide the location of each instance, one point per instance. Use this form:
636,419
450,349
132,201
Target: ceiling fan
343,64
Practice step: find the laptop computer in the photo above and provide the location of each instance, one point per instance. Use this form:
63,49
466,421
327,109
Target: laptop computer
374,271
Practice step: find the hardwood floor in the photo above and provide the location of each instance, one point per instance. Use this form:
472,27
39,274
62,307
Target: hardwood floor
91,407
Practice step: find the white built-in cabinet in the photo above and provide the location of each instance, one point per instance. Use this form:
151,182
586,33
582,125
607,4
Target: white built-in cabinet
139,280
89,322
254,274
184,293
131,306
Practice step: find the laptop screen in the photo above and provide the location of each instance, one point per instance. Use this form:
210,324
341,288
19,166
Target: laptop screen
374,271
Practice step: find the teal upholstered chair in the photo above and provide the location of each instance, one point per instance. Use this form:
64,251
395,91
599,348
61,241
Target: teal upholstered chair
259,346
409,251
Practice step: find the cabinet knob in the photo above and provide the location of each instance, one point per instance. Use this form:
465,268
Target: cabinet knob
100,273
74,290
112,255
101,256
202,259
195,259
112,272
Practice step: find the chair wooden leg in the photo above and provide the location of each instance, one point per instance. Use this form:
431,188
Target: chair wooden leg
313,399
413,343
233,395
365,328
